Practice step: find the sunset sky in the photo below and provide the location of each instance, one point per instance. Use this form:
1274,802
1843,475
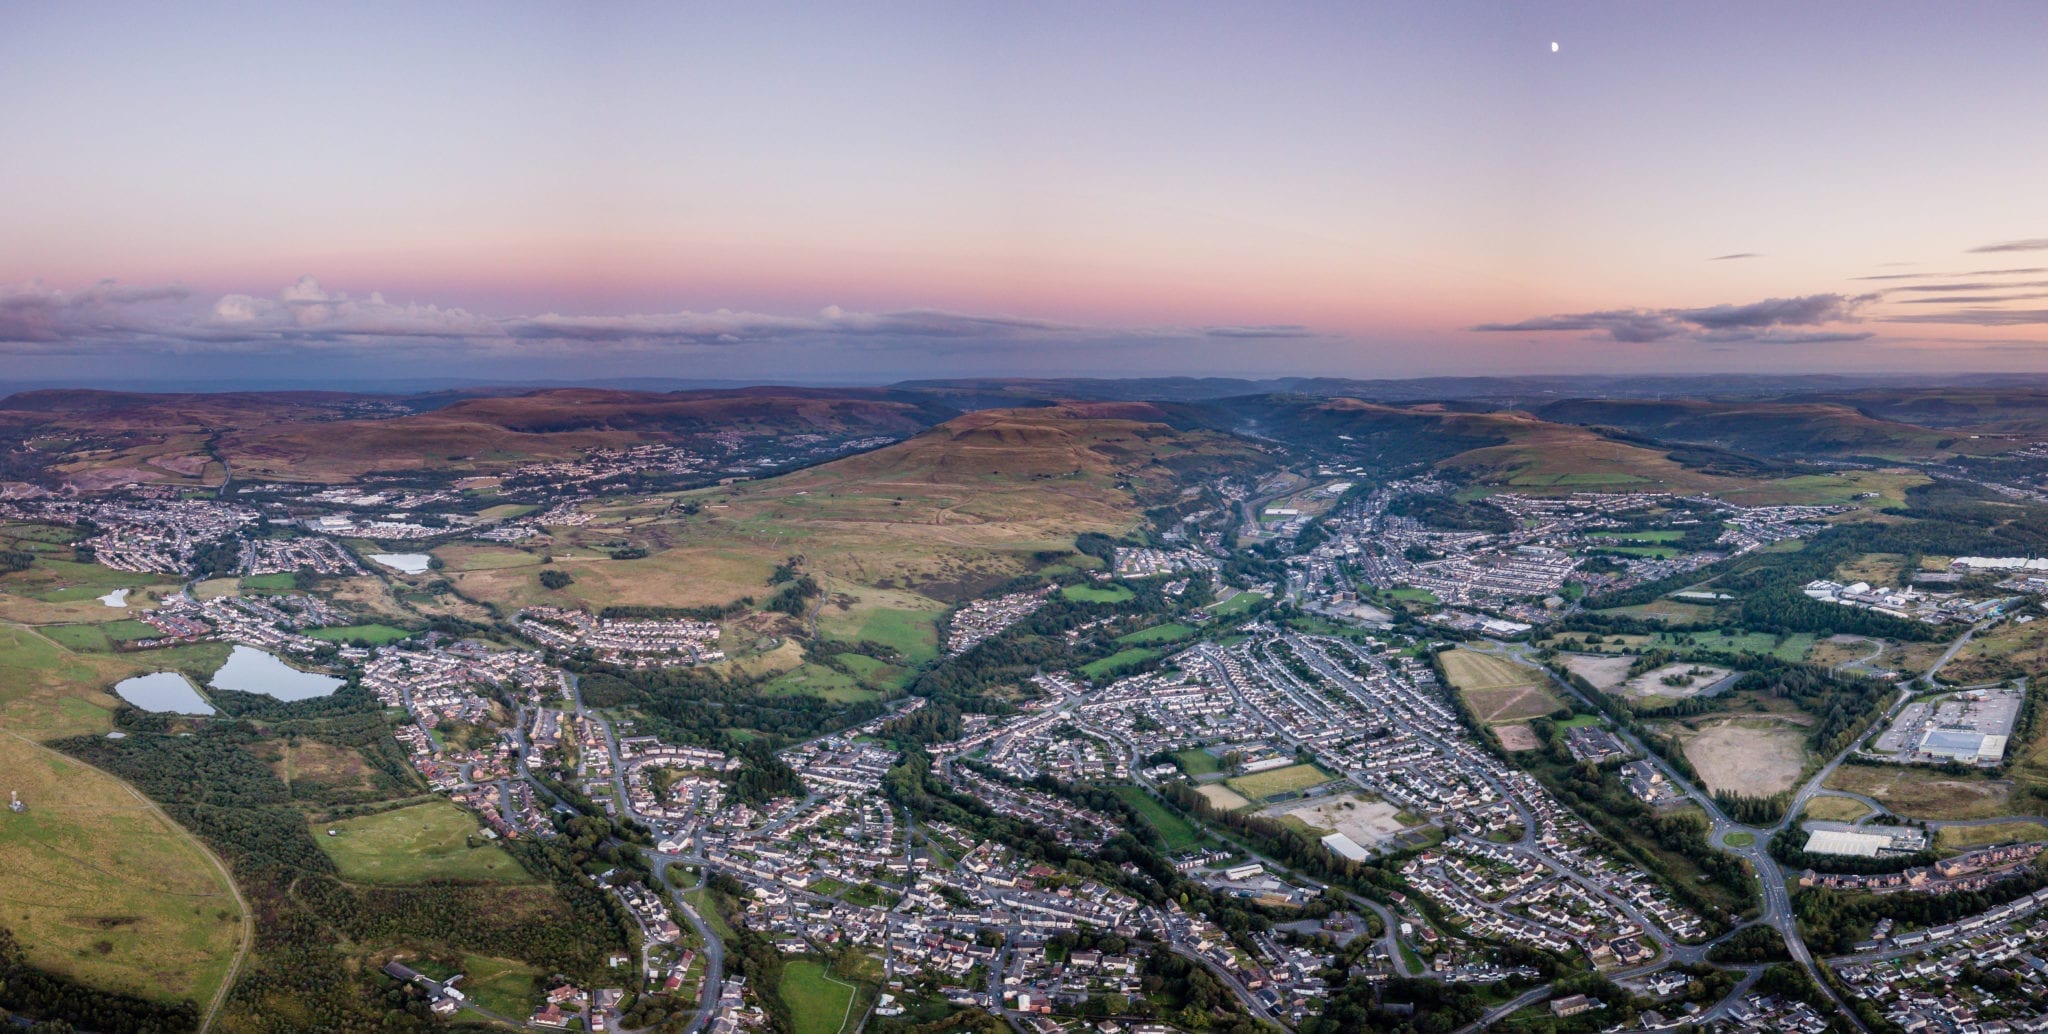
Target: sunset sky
867,192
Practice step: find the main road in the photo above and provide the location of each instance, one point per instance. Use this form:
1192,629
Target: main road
1753,841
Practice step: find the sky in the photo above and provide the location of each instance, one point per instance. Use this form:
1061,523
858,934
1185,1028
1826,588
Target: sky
861,193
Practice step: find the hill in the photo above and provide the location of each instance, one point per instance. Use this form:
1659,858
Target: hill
912,526
98,439
1767,428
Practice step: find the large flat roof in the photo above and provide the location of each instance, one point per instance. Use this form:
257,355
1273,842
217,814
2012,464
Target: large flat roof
1837,841
1346,847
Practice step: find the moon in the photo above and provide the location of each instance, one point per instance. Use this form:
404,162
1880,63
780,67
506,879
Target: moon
1553,46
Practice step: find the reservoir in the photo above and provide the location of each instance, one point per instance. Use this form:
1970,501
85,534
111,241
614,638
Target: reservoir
250,670
163,691
117,598
408,563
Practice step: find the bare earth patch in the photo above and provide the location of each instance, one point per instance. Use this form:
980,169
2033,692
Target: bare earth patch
1748,756
1366,822
1517,738
1698,679
1603,672
1223,797
1510,703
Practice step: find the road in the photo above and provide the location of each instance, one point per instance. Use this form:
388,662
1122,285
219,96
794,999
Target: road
1777,899
658,863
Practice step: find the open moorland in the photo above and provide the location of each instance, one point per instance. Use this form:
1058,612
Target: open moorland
102,887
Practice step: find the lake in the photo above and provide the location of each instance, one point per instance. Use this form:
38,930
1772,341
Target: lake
250,670
117,598
163,691
407,563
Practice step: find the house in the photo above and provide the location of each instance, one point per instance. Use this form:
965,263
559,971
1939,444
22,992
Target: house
1572,1005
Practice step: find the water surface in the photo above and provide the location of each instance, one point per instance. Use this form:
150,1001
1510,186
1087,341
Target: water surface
257,671
163,692
408,563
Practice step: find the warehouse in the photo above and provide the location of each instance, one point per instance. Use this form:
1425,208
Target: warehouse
1837,841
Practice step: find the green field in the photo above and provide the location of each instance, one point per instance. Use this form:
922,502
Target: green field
375,635
819,681
1235,605
1652,535
1117,662
818,1002
282,581
1175,835
1653,552
1260,786
1096,594
1198,762
1739,839
1167,633
100,638
912,633
1413,594
423,842
874,673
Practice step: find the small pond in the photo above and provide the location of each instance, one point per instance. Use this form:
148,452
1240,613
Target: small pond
408,563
